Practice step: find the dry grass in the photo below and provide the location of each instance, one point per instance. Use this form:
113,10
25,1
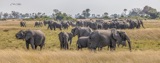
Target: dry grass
145,45
45,56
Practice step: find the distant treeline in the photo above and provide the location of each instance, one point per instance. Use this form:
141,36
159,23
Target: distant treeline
136,13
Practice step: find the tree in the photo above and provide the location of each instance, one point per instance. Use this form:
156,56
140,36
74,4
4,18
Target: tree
5,15
15,14
105,15
39,14
1,14
135,12
27,15
115,16
93,15
150,11
86,13
98,16
125,10
56,11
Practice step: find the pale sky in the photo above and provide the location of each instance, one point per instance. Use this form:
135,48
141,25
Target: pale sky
76,6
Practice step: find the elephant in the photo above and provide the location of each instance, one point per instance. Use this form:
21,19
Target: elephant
54,25
45,22
135,24
64,38
100,25
81,31
139,24
106,25
122,25
87,23
33,37
112,24
83,42
102,38
93,25
73,24
80,23
38,24
65,25
23,24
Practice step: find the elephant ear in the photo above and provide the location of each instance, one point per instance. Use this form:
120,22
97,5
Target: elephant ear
28,35
70,35
76,31
23,34
114,34
122,35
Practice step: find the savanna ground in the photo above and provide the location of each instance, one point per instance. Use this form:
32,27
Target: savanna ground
145,47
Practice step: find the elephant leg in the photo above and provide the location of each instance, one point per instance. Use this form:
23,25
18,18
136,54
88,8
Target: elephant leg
61,45
27,45
67,46
108,47
41,46
32,43
112,45
35,46
54,28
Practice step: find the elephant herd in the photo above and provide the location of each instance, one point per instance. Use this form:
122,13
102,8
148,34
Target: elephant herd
93,39
87,38
118,24
91,34
95,25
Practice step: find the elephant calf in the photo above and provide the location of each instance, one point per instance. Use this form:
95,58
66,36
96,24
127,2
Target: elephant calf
83,42
23,24
38,24
64,38
33,37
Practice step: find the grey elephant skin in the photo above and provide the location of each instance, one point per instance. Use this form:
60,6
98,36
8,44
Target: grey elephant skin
33,37
65,25
23,24
45,22
81,31
80,23
102,38
54,25
38,24
83,42
64,38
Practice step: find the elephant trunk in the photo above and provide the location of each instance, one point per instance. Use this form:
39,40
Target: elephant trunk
70,41
129,43
142,24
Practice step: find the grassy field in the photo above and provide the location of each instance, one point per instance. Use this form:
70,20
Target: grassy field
145,46
46,56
